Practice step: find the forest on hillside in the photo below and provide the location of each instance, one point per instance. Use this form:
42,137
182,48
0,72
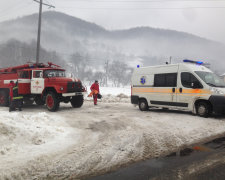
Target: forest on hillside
114,73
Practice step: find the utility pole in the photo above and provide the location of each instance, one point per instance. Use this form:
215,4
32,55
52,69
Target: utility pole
39,28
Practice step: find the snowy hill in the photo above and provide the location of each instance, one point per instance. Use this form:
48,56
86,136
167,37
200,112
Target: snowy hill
68,35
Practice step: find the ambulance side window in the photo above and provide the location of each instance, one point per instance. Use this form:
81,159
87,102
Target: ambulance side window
188,80
165,80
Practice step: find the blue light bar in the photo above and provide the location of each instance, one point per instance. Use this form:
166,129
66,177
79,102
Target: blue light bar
199,62
191,61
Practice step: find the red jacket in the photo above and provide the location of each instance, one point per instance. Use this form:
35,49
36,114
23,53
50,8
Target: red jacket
11,85
95,86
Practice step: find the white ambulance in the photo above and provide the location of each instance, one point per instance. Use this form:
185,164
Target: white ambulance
185,86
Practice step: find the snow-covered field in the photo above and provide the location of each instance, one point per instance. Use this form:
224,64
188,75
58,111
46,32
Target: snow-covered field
74,143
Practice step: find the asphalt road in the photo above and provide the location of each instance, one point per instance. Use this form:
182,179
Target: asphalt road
206,161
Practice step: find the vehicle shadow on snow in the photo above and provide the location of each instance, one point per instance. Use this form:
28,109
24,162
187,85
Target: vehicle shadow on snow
168,111
43,108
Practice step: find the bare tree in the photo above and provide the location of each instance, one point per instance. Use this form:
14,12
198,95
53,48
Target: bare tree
80,65
117,72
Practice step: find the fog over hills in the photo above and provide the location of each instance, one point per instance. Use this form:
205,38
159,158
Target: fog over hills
71,37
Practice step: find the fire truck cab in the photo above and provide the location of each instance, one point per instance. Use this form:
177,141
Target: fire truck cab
44,84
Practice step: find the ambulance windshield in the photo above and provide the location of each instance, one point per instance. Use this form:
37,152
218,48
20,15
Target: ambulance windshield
211,79
54,73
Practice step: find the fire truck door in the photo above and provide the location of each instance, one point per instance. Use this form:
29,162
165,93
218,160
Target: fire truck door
24,80
37,82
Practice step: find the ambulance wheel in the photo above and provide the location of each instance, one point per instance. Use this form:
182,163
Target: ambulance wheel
77,101
39,101
143,105
4,98
51,101
203,109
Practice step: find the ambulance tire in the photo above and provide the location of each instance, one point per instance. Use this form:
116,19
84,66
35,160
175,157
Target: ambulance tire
77,101
203,109
4,98
52,102
143,105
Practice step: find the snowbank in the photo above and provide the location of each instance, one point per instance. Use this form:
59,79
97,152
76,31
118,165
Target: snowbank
113,94
114,91
26,136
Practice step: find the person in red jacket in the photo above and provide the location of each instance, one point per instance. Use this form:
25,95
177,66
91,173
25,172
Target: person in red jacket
95,91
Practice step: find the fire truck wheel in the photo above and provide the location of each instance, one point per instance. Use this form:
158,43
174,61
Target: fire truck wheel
4,98
52,102
39,101
77,101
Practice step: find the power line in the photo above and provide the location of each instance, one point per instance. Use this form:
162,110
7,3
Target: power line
145,1
145,8
50,6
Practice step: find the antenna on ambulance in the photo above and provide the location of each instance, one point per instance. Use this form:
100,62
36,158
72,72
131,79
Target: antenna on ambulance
170,61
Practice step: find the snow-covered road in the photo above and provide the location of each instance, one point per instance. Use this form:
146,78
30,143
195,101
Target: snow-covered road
74,143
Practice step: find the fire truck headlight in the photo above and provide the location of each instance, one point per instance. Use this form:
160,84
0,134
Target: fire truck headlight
61,88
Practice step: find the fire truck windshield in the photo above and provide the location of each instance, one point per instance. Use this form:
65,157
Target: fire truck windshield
54,73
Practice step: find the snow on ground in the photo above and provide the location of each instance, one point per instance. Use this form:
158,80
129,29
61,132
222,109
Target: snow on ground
75,143
25,136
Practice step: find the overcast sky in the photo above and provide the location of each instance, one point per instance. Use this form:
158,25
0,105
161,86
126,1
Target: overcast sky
205,18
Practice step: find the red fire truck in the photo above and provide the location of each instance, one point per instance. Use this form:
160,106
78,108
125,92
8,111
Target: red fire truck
42,83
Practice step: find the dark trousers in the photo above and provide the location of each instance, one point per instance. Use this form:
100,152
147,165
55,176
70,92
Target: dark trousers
15,103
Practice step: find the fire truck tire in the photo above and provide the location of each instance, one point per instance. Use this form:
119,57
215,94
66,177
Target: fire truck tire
4,98
77,101
51,101
39,101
